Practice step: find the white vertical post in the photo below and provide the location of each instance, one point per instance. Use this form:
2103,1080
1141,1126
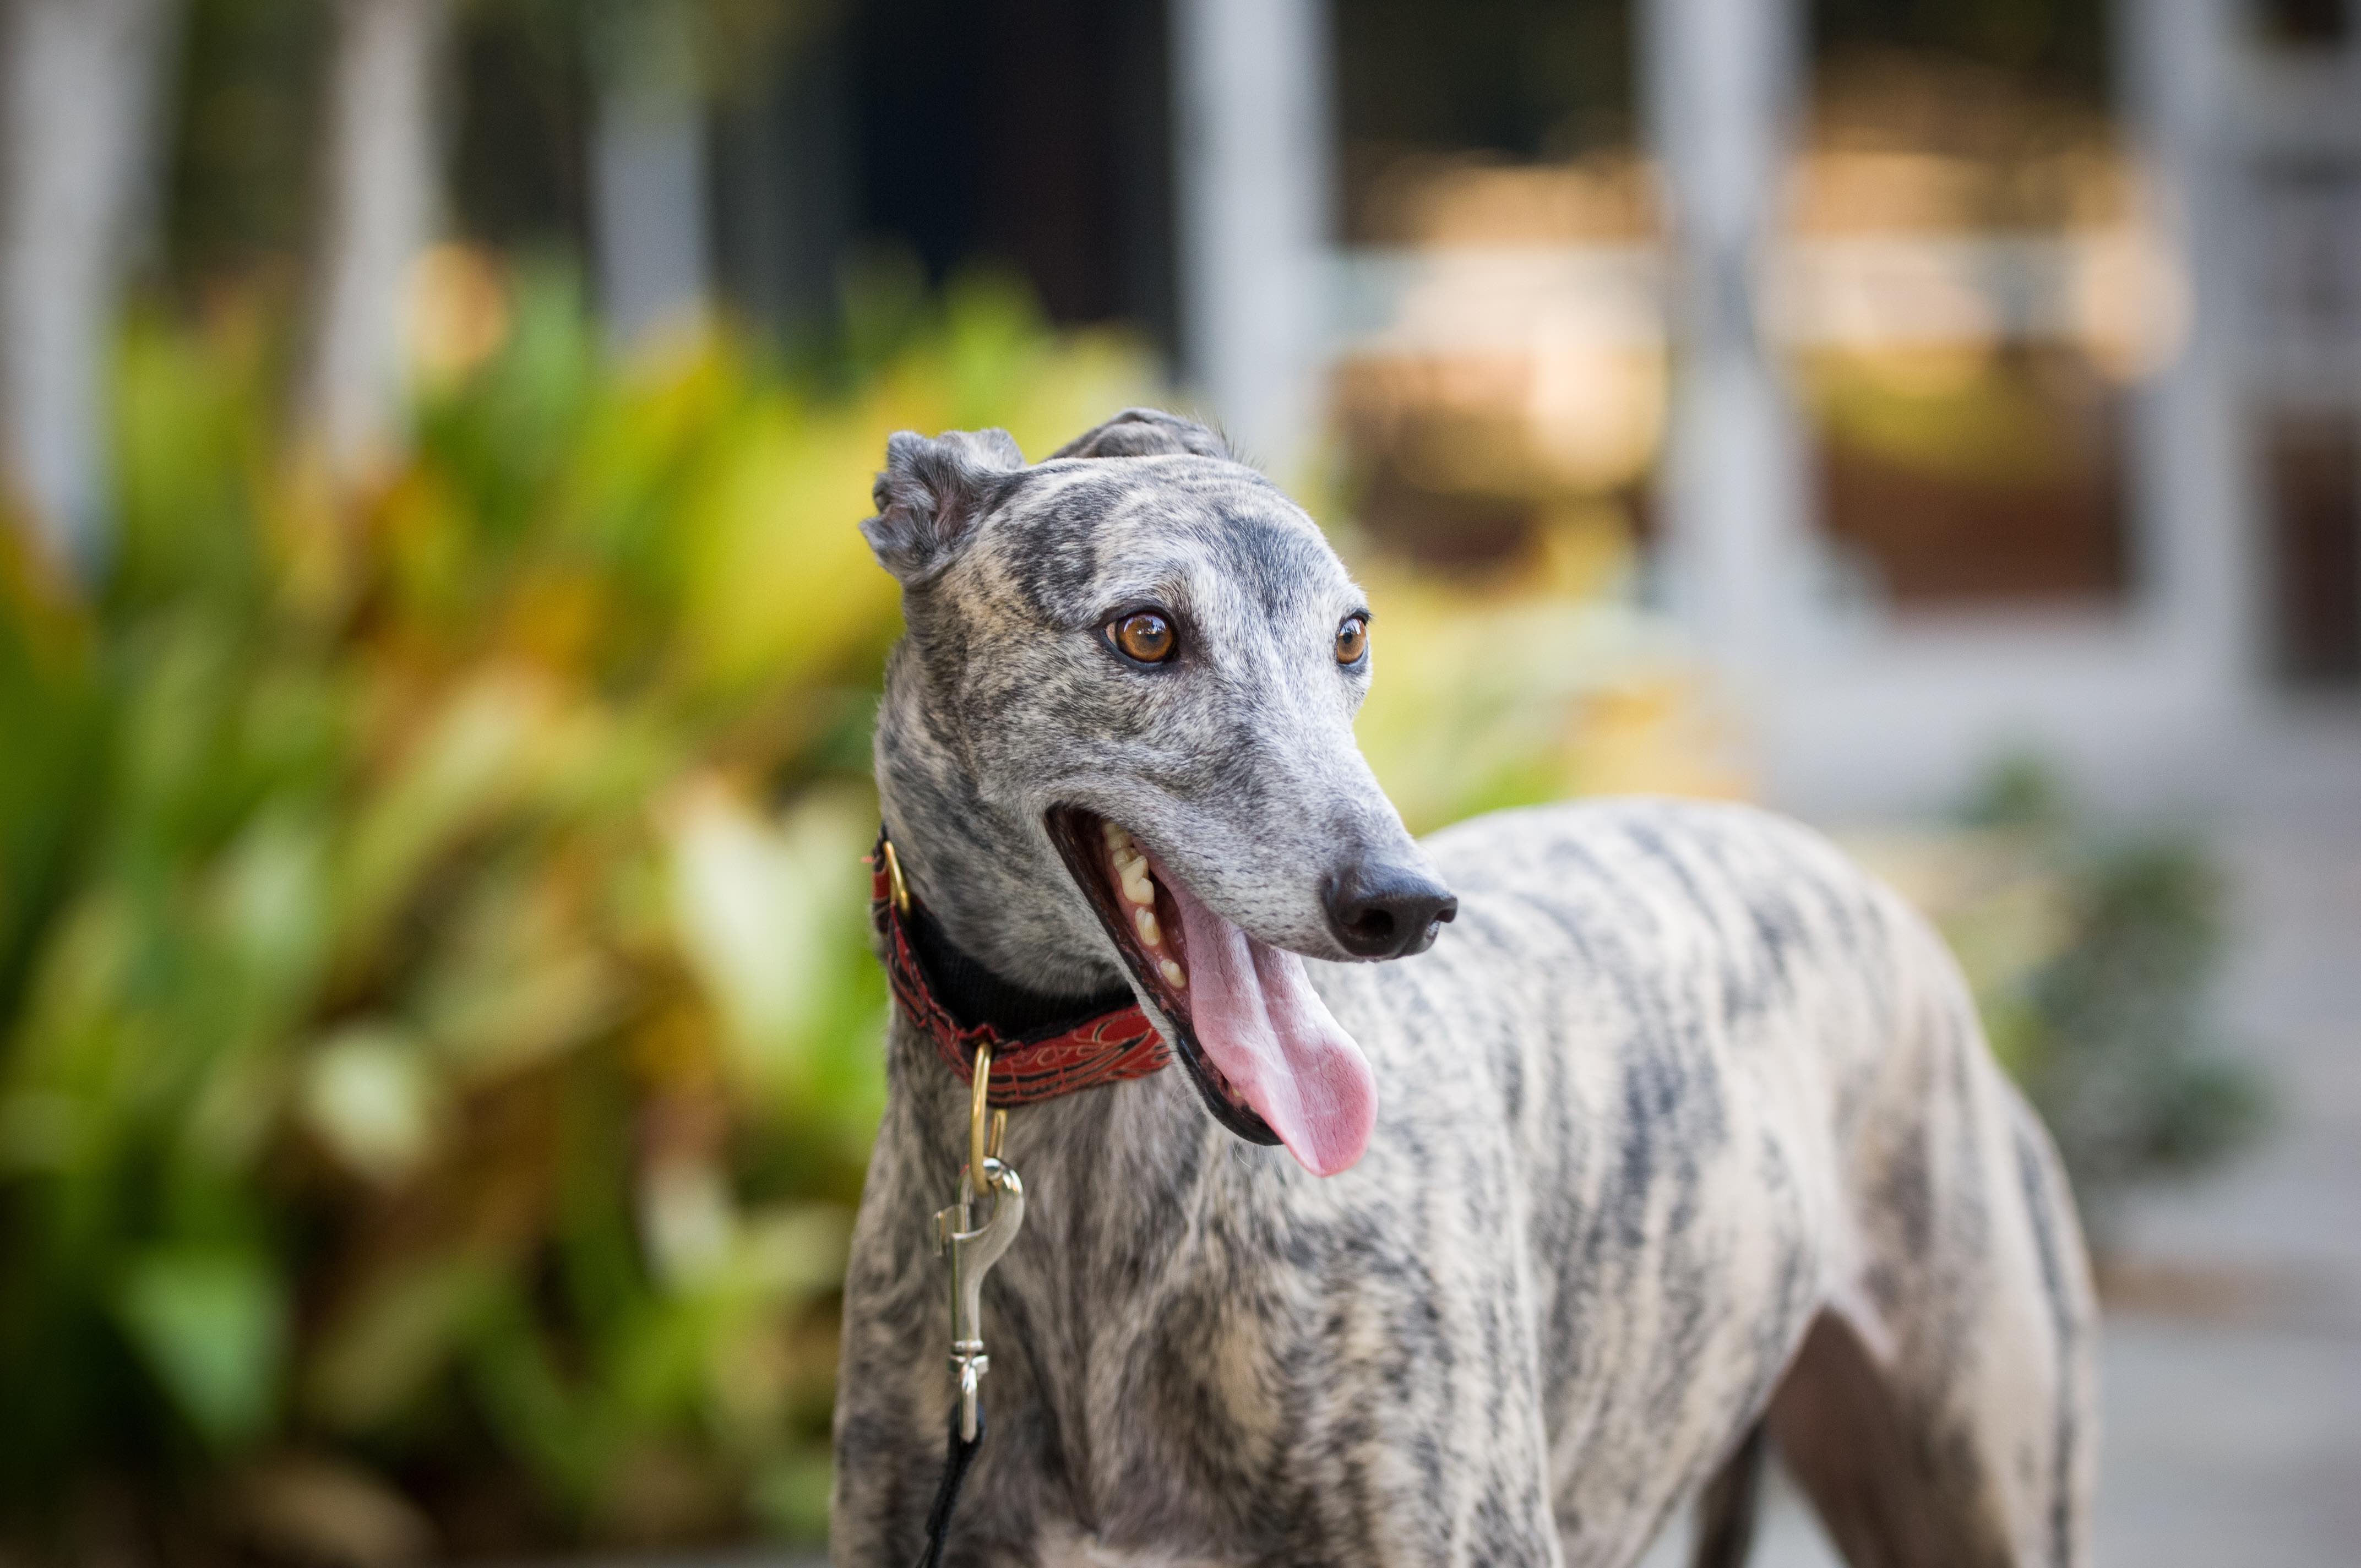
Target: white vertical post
1253,137
649,179
1720,79
381,183
78,83
2192,480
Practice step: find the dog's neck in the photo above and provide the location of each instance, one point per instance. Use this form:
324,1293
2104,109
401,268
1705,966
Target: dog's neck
987,877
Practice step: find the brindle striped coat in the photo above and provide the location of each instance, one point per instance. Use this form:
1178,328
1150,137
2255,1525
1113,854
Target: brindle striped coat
1687,1129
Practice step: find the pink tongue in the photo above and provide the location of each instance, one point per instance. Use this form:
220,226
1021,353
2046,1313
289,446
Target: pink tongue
1261,1022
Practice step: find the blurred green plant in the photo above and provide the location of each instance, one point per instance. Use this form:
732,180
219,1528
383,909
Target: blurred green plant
2114,1033
438,1041
2093,959
437,1034
1534,682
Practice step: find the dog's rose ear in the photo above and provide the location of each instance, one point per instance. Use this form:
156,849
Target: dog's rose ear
1143,433
931,493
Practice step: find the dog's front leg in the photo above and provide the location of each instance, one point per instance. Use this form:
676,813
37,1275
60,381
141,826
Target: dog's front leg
890,1422
1425,1445
1477,1497
894,1391
895,1394
894,1405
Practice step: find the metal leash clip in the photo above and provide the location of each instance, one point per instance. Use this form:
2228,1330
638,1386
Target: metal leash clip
973,1249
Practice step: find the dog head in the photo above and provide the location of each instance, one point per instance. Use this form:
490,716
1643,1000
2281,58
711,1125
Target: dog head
1137,664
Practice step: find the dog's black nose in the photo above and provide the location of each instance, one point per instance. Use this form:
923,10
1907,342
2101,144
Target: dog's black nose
1380,911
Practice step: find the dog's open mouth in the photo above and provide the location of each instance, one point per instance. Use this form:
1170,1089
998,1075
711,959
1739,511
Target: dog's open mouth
1272,1064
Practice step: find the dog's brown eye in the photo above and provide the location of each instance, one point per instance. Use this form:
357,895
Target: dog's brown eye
1351,639
1145,636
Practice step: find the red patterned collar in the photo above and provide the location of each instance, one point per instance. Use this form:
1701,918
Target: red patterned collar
1031,1061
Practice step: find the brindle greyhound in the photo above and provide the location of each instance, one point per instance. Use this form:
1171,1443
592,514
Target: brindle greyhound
1683,1131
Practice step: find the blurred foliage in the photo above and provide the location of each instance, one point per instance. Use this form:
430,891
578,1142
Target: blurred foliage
437,1035
438,1041
1532,682
2093,959
1964,415
2113,1034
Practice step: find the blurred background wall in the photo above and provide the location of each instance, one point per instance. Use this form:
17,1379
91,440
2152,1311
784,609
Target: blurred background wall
1966,376
437,1041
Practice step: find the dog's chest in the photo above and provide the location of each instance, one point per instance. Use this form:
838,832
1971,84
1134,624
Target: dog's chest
1257,1359
1061,1545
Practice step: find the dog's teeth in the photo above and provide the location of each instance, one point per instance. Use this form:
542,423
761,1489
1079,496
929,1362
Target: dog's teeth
1139,889
1150,932
1174,976
1117,836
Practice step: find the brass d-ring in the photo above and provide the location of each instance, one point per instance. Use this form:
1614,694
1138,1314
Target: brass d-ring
978,1108
900,889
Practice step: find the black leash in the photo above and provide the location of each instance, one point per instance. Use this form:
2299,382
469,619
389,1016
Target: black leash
955,1463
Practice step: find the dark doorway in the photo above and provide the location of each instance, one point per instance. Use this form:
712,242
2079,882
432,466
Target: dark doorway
2314,496
1032,134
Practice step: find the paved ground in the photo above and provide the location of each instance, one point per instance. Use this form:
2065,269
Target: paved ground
2235,1425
